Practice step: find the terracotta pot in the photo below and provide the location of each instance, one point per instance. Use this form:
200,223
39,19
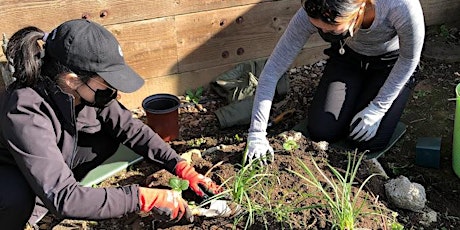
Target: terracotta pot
162,115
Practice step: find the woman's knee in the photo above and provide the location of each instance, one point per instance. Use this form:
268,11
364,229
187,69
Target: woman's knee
320,132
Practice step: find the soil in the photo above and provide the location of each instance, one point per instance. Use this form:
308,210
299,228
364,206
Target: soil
429,113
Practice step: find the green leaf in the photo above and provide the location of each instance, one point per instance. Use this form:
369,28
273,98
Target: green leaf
178,184
199,92
184,184
396,226
290,145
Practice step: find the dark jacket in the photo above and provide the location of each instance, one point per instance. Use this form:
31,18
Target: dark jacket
39,135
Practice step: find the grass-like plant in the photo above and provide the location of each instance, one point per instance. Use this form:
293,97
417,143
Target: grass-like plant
337,191
241,189
247,182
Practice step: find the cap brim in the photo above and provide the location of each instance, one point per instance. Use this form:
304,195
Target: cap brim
124,79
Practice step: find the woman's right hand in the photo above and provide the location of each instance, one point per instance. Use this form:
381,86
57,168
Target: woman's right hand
258,148
165,205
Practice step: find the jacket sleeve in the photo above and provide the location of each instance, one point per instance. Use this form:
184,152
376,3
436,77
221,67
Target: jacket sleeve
32,133
138,136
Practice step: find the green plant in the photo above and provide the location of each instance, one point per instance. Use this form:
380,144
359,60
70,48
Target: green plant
337,191
444,31
246,181
419,94
178,184
196,142
241,188
290,145
398,170
194,96
395,225
238,138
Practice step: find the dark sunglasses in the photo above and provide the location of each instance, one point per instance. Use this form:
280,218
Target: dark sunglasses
319,9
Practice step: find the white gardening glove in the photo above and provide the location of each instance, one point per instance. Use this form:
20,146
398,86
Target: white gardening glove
257,147
365,123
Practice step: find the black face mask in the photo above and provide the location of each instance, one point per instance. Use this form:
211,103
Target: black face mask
334,38
102,97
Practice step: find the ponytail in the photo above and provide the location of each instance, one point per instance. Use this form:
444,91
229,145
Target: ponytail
24,54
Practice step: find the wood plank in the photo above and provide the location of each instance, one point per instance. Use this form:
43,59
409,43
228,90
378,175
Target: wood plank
310,55
193,6
47,14
204,37
149,46
440,11
175,84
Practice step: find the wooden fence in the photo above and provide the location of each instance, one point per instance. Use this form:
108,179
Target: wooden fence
182,44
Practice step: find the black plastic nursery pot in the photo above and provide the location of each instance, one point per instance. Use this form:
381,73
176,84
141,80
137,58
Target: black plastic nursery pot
162,112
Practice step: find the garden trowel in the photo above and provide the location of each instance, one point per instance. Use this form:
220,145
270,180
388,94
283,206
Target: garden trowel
218,208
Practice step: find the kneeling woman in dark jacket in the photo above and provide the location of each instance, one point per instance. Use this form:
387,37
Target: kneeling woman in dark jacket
60,118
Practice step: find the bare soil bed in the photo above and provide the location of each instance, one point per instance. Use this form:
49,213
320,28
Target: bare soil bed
429,113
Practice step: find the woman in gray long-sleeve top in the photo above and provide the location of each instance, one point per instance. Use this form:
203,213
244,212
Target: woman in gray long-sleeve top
375,48
60,118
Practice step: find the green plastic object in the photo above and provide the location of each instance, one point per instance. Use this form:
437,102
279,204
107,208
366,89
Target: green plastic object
346,145
123,158
456,147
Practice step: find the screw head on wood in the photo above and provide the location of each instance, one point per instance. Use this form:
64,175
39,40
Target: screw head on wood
103,13
239,20
225,54
240,51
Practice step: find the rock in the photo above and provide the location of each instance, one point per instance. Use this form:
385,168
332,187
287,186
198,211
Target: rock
428,217
322,145
405,194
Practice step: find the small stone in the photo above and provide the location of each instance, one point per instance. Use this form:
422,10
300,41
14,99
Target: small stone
405,194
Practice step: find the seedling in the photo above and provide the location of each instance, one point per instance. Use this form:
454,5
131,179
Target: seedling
178,184
196,142
395,225
290,145
420,94
238,138
194,96
444,31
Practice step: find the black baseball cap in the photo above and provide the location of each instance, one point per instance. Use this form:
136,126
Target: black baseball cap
83,45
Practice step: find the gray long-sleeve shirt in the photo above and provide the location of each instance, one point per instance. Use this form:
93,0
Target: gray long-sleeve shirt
398,24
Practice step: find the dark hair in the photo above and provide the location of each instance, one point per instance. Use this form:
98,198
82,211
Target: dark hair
330,10
25,53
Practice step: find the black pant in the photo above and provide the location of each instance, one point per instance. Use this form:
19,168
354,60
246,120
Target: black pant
349,83
18,203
